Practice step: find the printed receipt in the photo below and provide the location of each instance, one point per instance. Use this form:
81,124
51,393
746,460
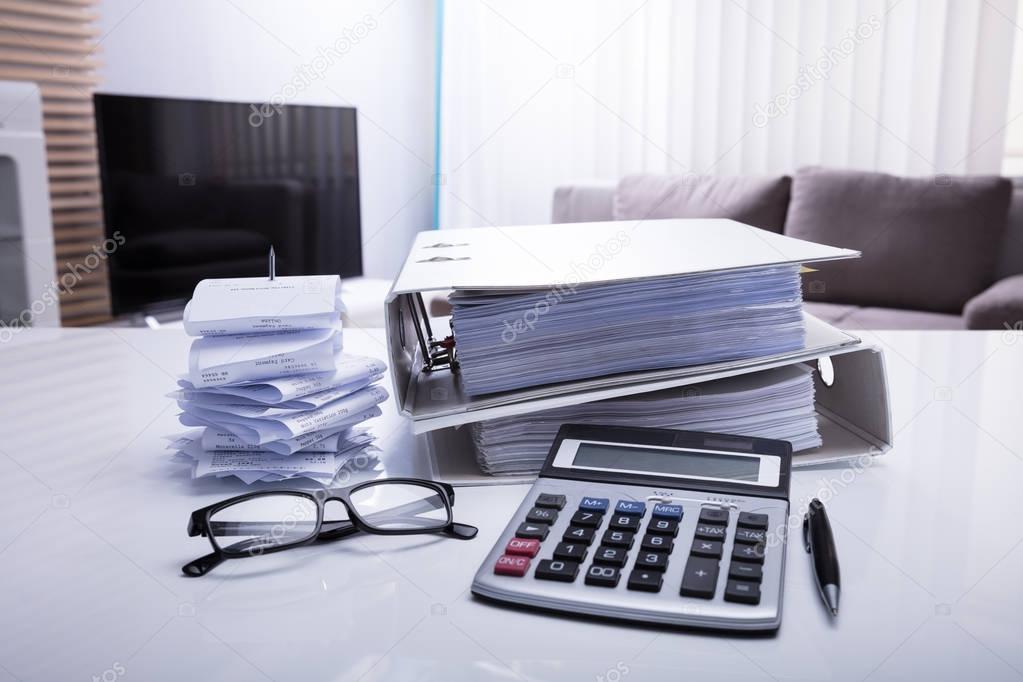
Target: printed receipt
255,305
254,430
219,360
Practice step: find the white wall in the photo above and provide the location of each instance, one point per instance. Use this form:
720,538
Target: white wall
249,50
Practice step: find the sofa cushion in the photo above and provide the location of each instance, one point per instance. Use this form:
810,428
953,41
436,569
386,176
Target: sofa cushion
998,307
927,243
1011,261
757,201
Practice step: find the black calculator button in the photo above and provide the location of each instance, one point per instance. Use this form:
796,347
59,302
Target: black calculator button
711,532
618,538
753,554
656,543
578,534
744,571
652,561
587,518
556,569
713,516
549,501
621,522
753,537
532,531
613,556
662,527
645,581
700,578
541,515
603,576
742,592
570,551
707,548
751,520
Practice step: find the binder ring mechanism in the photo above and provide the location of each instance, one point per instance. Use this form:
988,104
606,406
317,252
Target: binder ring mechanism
436,354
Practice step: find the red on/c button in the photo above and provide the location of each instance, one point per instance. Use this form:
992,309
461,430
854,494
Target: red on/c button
523,547
511,565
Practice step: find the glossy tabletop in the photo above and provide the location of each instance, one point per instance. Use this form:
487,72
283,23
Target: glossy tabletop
93,537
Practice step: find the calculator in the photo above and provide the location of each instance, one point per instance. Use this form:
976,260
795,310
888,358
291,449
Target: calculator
654,525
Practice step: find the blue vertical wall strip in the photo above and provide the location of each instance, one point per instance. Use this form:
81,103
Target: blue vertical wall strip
438,70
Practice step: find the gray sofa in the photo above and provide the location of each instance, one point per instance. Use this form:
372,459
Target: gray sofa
943,252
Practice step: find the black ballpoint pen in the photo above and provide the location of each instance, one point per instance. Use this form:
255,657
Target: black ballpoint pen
820,543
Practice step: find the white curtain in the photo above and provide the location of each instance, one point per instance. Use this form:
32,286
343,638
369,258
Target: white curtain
539,93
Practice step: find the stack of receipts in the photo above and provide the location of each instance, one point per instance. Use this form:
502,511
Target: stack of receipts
775,403
269,388
512,340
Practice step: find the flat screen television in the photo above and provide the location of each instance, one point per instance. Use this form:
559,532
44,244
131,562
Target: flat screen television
194,189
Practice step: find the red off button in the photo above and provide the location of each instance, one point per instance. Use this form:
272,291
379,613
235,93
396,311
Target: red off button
511,565
523,547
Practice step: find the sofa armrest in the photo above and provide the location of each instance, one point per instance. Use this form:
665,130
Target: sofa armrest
1000,306
592,202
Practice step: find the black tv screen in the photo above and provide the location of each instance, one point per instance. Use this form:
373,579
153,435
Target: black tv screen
197,189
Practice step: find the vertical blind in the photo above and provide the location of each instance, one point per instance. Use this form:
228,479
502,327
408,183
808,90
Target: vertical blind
537,94
53,43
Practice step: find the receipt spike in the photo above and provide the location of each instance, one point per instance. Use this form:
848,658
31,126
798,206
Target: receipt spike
273,264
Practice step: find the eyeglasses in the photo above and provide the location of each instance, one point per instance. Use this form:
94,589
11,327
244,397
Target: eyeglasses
265,522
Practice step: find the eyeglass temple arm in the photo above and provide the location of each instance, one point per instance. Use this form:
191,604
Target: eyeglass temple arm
202,565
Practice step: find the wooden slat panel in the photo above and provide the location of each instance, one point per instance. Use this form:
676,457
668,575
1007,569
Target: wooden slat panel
43,74
71,140
86,170
52,43
72,156
94,282
36,57
75,46
89,185
77,306
79,249
64,124
59,203
62,218
64,91
50,10
47,26
74,233
51,108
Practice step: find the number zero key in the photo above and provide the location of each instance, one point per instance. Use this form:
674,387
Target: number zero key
555,569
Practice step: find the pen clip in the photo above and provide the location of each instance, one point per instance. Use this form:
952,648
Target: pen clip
806,531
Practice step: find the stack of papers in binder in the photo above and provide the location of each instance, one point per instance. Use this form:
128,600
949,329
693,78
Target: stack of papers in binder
693,324
507,341
775,403
269,384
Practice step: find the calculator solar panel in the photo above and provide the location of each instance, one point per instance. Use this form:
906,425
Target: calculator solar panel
651,525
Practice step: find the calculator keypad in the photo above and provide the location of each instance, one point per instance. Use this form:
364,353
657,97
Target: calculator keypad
646,567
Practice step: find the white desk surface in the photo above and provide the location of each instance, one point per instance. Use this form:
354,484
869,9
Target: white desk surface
93,537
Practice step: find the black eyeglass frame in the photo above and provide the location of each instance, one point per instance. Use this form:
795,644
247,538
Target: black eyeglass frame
199,522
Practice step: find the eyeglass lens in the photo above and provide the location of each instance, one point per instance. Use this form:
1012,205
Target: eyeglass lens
264,522
401,506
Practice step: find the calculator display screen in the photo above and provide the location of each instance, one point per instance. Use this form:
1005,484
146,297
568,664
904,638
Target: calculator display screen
666,461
